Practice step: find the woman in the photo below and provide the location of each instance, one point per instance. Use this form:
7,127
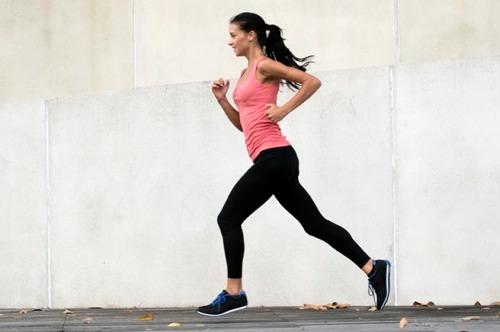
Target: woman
275,167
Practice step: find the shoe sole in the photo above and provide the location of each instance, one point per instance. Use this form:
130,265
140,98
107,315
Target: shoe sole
222,314
387,282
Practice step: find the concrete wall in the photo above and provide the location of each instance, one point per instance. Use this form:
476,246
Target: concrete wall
110,196
55,48
403,157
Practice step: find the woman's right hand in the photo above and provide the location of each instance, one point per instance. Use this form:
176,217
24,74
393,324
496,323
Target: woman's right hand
219,88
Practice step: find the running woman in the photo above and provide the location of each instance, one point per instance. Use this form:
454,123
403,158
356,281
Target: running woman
275,168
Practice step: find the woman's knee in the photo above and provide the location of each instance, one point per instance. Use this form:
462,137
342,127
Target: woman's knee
226,223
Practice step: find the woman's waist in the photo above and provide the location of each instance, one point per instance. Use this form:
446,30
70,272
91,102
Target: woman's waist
281,150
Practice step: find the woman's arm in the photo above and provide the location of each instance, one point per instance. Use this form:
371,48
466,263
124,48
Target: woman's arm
232,114
219,89
274,69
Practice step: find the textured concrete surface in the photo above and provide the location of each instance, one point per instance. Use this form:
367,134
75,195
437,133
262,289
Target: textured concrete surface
53,48
448,178
342,34
448,29
255,319
57,48
23,203
138,179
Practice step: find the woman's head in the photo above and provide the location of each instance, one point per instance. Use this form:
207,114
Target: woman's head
247,29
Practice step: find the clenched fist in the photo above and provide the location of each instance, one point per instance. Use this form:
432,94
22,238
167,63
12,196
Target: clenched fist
219,88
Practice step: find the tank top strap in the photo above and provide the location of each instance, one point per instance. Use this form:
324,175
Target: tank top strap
254,69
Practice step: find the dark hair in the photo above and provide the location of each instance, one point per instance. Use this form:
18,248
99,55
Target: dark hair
274,46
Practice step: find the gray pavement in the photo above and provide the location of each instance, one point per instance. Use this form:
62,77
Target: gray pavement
276,319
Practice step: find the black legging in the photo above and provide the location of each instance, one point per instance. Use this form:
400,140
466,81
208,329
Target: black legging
275,172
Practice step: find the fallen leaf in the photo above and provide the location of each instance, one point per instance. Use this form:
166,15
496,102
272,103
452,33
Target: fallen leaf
477,304
68,312
174,324
314,306
23,312
343,306
472,318
87,320
147,317
419,304
372,309
403,322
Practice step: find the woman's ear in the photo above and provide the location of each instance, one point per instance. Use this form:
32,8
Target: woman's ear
251,35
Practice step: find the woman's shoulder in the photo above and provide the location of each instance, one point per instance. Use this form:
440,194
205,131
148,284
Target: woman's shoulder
265,64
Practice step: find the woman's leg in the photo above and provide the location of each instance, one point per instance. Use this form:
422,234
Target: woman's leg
251,191
295,199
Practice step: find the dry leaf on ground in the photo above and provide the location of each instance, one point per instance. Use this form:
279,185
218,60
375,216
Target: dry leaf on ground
372,309
147,317
87,320
322,307
472,318
68,312
23,312
174,324
420,304
403,322
313,306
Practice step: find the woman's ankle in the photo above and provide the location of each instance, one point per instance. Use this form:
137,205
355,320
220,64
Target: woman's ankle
233,291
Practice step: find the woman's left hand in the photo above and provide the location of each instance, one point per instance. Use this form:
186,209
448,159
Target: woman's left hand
274,112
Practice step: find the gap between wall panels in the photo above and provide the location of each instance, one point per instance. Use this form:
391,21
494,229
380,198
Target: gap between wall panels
47,205
394,160
134,46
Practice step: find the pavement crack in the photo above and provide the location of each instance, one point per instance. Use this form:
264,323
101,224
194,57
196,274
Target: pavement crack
64,323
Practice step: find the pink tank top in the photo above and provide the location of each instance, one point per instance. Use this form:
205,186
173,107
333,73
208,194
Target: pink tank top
250,97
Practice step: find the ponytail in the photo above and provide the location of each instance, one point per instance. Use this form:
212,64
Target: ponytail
269,36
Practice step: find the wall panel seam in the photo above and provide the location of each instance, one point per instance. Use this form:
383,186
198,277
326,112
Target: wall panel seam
47,205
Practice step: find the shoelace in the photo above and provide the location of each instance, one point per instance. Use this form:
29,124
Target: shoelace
221,298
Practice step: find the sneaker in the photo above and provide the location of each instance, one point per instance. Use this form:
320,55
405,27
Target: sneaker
379,282
224,304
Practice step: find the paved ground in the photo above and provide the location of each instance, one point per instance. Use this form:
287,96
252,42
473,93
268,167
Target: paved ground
276,319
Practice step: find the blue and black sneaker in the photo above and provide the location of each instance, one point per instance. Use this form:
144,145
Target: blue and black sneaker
379,282
224,304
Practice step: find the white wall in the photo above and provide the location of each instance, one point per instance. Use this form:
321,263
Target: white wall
448,178
57,48
113,167
137,179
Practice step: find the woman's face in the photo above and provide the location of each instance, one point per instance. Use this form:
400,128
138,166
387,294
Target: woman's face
238,39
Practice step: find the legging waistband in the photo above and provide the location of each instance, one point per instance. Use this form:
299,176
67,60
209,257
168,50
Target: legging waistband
288,149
